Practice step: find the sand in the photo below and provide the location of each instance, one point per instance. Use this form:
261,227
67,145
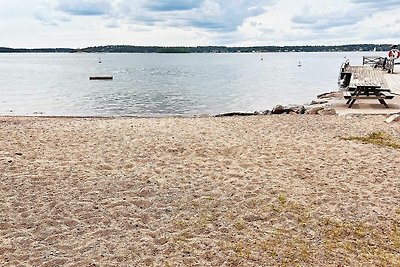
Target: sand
254,191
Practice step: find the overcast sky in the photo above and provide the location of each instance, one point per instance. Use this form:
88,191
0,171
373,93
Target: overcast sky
83,23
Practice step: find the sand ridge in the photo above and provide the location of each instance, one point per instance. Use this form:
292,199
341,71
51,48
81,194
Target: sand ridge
253,191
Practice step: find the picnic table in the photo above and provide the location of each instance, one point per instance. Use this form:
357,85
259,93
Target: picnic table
367,91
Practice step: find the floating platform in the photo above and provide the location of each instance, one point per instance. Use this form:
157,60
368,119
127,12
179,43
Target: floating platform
100,77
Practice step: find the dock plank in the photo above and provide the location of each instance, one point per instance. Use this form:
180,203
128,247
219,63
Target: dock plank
366,75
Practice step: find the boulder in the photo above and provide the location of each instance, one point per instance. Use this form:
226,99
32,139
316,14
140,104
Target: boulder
314,110
327,111
231,114
296,109
328,95
318,102
278,109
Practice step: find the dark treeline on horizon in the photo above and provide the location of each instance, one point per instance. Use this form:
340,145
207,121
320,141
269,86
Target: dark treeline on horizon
36,50
202,49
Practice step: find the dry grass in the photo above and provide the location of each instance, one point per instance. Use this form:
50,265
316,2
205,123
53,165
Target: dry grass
378,138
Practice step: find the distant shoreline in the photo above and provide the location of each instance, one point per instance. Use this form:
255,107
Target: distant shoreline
204,49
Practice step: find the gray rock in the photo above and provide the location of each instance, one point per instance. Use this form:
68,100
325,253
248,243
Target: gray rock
231,114
278,109
295,108
327,111
318,102
313,110
266,112
328,95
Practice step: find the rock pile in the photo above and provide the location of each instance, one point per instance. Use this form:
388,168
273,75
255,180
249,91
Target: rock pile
320,106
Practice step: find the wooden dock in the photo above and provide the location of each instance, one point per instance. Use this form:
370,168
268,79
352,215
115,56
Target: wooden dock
364,82
364,75
370,86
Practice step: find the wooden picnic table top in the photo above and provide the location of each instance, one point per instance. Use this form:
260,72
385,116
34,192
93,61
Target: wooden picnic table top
367,85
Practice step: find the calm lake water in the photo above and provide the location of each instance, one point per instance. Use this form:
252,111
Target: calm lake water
164,84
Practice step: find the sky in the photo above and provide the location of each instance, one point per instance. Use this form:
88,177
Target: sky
84,23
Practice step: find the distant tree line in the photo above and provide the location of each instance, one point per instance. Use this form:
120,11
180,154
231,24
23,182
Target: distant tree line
36,50
202,49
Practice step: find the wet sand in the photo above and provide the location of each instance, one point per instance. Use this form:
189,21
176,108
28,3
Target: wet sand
249,191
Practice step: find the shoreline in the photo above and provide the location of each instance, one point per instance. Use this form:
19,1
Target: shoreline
329,103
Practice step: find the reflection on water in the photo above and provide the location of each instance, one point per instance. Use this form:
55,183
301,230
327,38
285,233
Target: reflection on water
163,84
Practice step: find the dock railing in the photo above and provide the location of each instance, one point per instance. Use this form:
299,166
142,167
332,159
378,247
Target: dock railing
379,62
376,62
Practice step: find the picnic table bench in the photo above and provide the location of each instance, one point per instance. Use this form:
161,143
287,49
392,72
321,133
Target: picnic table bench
367,91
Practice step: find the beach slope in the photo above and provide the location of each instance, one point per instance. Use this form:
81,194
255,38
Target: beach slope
249,191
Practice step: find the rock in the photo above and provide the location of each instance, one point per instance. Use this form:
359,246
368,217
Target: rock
318,102
295,108
231,114
328,95
393,118
18,154
278,109
313,110
327,111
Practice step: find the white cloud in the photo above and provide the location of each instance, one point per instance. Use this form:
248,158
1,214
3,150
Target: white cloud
79,23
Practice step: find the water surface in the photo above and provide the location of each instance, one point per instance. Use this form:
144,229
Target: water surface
164,84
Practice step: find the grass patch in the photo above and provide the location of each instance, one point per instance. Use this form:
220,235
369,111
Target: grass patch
240,225
282,199
378,138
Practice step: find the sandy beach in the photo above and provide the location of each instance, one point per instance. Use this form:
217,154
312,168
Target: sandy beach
244,191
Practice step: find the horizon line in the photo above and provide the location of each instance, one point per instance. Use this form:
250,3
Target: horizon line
188,46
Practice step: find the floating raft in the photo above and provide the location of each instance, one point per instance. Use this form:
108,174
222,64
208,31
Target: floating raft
100,77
